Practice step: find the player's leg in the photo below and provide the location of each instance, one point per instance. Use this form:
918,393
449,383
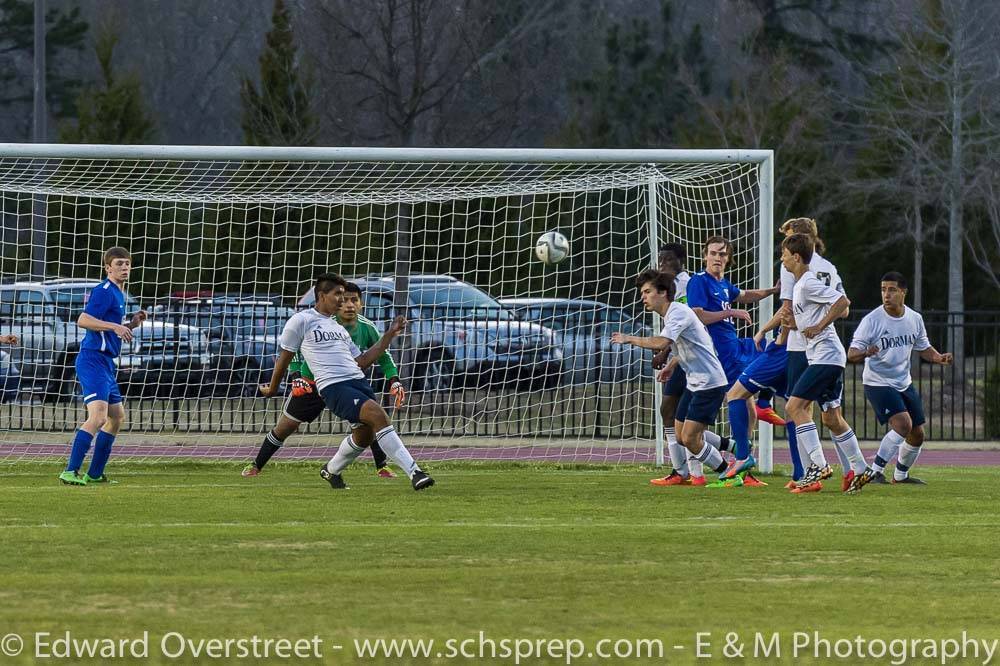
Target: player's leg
739,421
889,408
910,449
796,364
856,471
105,439
298,409
701,413
813,385
95,384
673,407
374,415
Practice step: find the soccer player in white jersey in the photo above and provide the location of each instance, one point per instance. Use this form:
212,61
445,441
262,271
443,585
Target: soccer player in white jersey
815,306
336,364
885,340
706,380
686,468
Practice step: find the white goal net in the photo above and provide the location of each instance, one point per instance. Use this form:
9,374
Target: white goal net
504,357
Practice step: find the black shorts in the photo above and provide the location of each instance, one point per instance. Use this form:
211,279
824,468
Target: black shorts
304,408
797,364
821,383
887,402
703,406
346,398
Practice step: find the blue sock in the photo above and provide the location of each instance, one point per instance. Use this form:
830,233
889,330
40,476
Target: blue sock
739,419
793,448
764,399
81,445
102,451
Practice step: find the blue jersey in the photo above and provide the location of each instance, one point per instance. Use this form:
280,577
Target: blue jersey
107,303
712,295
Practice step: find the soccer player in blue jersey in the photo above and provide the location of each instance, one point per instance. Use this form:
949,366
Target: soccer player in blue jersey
102,318
885,340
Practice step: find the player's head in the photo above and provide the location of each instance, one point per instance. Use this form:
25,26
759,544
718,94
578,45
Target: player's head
807,226
894,290
672,258
717,253
796,251
117,263
656,289
351,305
329,289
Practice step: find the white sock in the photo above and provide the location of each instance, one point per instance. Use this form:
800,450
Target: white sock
845,462
887,449
808,436
345,455
907,456
393,447
848,446
678,454
695,466
710,456
714,439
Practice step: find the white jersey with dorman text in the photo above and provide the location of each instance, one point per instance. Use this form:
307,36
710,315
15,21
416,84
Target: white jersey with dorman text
896,339
324,344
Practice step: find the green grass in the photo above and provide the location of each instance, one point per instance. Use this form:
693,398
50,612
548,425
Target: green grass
535,551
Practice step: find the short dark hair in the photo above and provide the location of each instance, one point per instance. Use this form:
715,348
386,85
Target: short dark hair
800,244
661,281
116,252
328,282
674,255
352,288
893,276
713,240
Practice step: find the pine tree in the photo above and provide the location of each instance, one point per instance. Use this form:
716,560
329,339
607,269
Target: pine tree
280,113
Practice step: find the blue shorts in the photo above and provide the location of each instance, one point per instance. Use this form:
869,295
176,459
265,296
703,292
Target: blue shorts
797,364
821,383
96,373
701,406
346,398
769,370
735,358
677,383
887,401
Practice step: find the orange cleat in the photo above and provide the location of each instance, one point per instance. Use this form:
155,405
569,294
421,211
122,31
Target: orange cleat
845,483
768,415
813,487
790,485
753,481
698,481
672,479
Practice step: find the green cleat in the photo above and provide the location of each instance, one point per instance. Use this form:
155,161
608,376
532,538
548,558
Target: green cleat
103,478
734,482
71,478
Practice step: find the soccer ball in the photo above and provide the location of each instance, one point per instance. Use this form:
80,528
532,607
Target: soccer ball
551,247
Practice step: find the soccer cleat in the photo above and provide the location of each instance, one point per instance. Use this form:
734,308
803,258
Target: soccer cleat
879,478
752,481
250,470
699,481
845,483
103,478
814,487
738,466
734,482
859,481
672,479
791,484
911,480
813,474
421,480
336,481
768,415
385,473
71,478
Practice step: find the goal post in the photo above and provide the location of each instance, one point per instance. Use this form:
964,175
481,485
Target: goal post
504,357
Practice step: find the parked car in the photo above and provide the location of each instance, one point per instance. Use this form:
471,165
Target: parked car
583,330
164,360
10,378
43,315
460,336
243,337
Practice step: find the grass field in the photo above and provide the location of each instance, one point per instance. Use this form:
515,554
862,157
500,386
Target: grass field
535,552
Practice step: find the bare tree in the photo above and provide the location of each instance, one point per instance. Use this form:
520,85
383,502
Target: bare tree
409,72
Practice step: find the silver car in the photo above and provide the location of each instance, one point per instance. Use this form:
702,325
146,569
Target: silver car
583,330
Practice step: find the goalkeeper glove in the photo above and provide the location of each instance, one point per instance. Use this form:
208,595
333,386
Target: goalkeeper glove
397,391
302,386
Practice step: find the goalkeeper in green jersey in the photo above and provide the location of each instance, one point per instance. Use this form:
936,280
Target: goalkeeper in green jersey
305,405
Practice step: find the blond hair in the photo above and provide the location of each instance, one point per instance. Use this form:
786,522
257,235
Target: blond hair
807,226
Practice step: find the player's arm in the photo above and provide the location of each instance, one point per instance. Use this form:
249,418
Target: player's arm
92,323
857,354
136,320
712,317
755,295
834,313
773,323
9,339
280,366
654,342
370,355
932,355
